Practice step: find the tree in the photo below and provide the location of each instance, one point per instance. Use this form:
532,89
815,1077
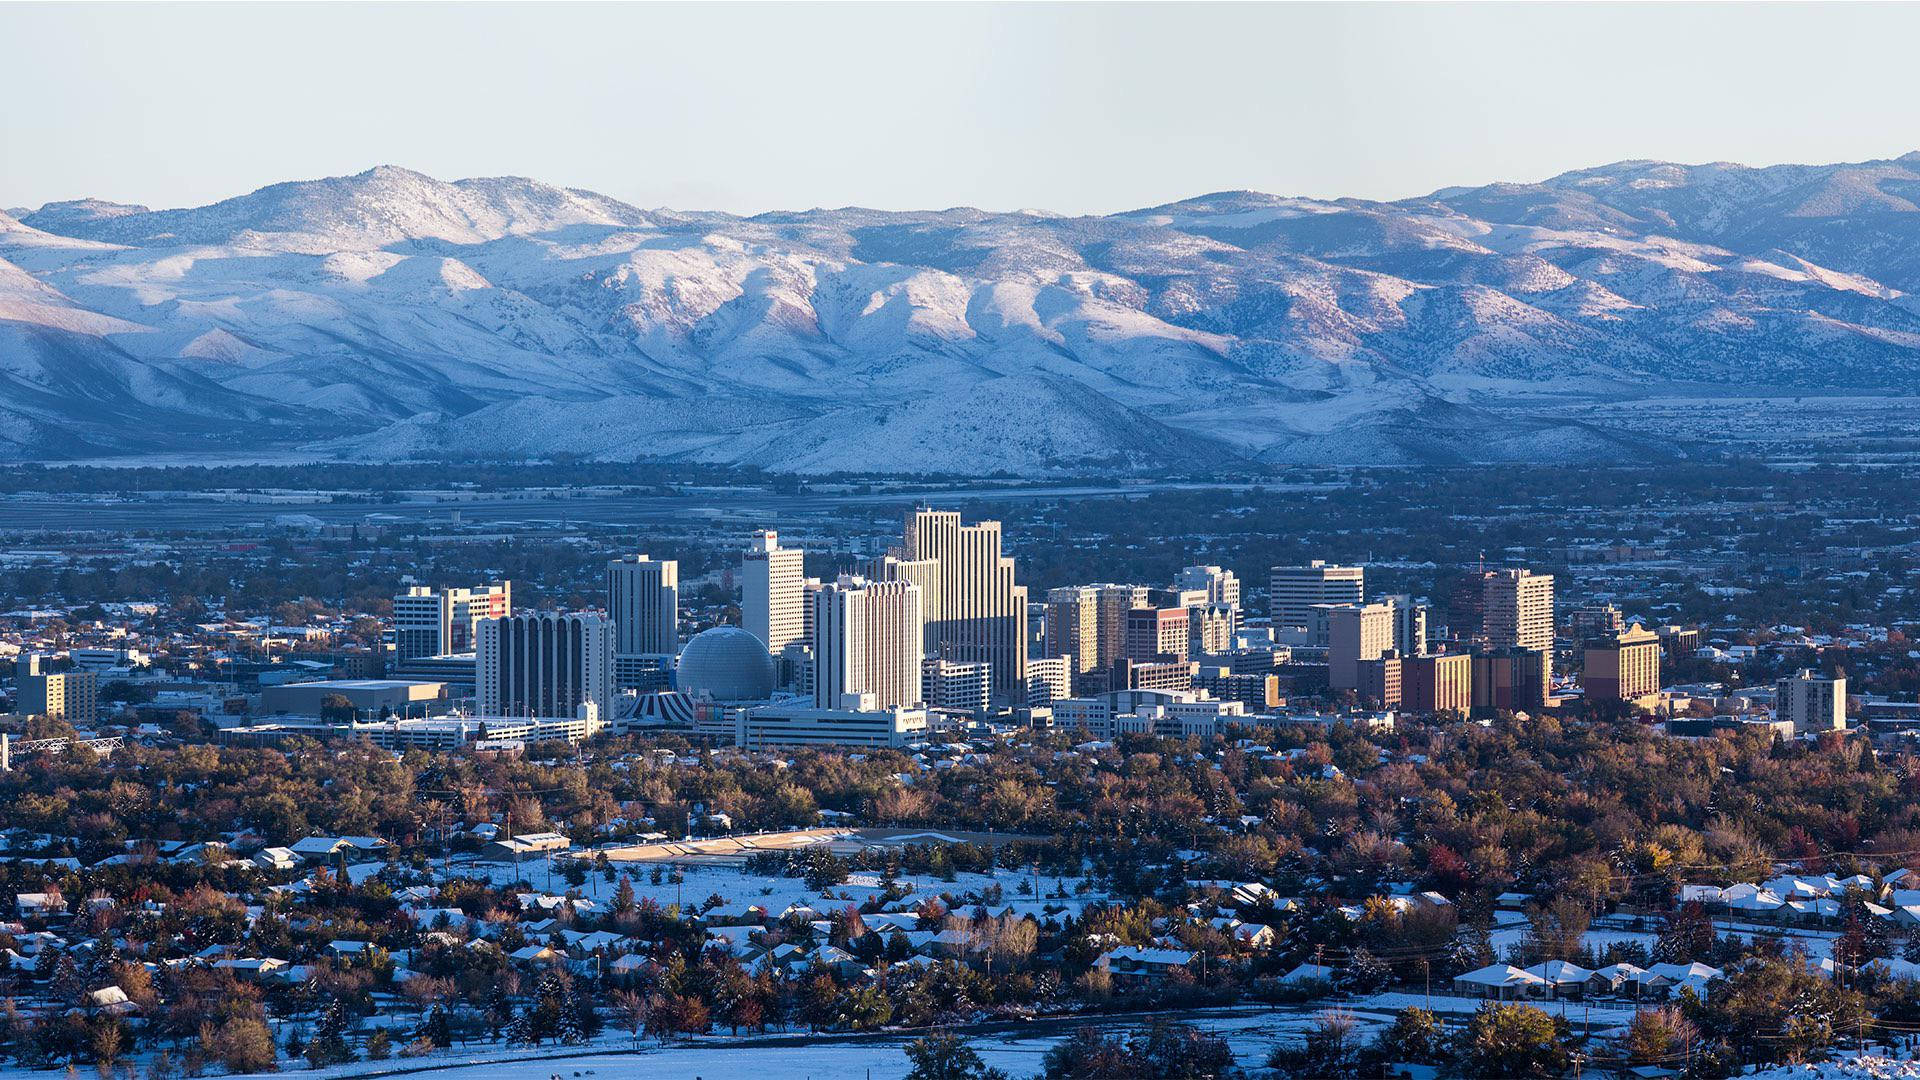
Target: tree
1510,1040
379,1045
1366,973
1331,1049
947,1057
1414,1037
245,1045
109,1039
1686,935
438,1030
1658,1036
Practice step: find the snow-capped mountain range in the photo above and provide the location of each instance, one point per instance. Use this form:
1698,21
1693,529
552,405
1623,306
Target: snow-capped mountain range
391,316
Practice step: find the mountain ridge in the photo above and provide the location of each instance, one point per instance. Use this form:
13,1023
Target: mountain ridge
391,313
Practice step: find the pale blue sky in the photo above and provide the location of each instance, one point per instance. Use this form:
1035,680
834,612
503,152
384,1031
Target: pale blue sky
1077,107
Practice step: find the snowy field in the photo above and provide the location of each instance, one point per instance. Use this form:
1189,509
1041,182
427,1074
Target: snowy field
1252,1033
735,885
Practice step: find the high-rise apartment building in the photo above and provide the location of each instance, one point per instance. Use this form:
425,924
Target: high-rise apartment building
1812,702
1518,610
773,599
1294,594
1623,666
867,641
436,622
1410,618
643,599
544,664
1073,626
980,611
73,696
1221,585
1111,604
1355,633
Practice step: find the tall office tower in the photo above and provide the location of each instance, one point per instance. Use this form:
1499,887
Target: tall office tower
922,573
1813,702
980,612
1036,629
1409,624
434,622
809,591
867,641
1623,666
1467,606
1294,591
1440,683
773,604
73,696
1222,587
1356,632
1073,626
1157,634
1519,610
643,599
1112,602
544,664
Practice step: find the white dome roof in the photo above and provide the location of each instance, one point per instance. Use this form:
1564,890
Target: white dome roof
726,663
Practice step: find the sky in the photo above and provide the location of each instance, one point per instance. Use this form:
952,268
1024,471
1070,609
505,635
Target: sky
1079,108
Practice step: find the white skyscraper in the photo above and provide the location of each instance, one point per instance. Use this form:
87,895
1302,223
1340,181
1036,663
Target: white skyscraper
867,641
1295,591
773,598
643,598
980,612
1519,610
433,622
544,664
1223,588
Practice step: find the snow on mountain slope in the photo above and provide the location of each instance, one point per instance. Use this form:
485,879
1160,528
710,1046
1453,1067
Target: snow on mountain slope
406,316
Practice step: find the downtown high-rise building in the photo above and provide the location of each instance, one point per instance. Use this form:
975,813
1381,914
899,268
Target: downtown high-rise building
1296,593
643,600
1111,606
544,664
435,622
1356,633
1222,587
867,642
773,595
1073,626
1517,610
980,612
1410,617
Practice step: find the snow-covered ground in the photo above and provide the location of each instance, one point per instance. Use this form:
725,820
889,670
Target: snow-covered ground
1894,1065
